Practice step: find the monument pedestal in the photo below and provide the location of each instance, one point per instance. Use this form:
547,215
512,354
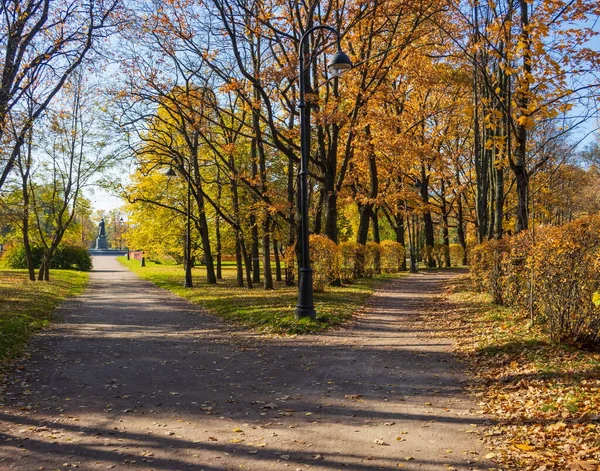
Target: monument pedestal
101,243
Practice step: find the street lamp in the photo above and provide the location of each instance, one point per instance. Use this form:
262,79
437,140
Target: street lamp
188,241
339,64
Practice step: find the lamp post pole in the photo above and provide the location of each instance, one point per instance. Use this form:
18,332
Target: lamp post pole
339,64
187,249
188,283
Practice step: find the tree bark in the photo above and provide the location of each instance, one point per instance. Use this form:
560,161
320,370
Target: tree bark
277,261
427,219
238,261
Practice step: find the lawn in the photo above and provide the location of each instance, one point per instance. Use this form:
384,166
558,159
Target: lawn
269,311
544,397
27,306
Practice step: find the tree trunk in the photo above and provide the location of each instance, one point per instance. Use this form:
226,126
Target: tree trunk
365,212
24,169
460,227
27,244
377,239
255,264
522,180
238,261
400,232
218,228
247,263
211,277
519,168
277,260
319,213
331,215
237,217
268,284
290,272
445,234
427,219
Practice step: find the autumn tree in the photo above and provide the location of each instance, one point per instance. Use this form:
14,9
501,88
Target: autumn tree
530,65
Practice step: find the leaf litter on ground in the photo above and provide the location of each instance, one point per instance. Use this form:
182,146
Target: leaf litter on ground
543,398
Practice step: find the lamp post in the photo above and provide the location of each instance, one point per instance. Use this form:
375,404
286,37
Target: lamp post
188,240
339,64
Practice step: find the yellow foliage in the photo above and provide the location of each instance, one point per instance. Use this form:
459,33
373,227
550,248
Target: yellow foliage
326,261
556,277
372,259
456,254
392,256
353,260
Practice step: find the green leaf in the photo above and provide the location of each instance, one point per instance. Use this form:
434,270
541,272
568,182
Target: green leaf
596,298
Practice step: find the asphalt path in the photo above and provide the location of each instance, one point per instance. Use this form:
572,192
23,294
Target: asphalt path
135,378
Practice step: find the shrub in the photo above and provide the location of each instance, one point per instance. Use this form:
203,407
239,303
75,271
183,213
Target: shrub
372,259
72,256
353,260
439,254
15,257
66,257
563,265
516,271
289,260
486,267
325,261
457,254
393,255
566,268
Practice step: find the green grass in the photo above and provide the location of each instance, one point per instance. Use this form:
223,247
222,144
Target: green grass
27,306
265,310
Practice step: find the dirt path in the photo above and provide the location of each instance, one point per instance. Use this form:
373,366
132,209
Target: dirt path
137,379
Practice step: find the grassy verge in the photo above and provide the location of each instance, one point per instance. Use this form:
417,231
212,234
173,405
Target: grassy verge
544,397
27,306
267,311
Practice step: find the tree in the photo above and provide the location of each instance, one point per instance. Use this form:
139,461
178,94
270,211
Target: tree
74,151
43,42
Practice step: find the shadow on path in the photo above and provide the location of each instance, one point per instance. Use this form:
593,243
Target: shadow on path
135,378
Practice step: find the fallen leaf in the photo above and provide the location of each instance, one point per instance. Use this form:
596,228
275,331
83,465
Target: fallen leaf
590,465
524,447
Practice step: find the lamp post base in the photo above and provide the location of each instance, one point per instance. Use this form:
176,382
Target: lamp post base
305,307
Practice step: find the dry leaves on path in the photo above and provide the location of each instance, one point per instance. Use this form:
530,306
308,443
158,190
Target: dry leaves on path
543,397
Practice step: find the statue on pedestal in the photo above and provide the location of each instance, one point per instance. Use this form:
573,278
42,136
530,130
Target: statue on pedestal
101,242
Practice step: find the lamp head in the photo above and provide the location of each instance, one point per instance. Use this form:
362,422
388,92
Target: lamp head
170,172
339,64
